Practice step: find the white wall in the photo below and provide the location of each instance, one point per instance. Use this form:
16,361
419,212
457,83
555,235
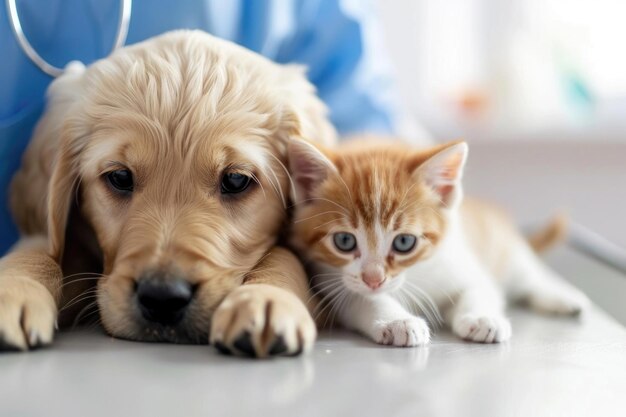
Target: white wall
497,70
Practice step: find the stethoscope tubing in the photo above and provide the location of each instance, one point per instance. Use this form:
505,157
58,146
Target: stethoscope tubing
14,20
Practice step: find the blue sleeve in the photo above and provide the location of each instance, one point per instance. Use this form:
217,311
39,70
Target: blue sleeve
336,39
339,43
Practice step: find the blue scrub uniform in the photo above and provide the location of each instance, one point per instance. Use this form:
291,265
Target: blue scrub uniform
334,38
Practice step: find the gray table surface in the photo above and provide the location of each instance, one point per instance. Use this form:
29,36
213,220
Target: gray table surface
551,367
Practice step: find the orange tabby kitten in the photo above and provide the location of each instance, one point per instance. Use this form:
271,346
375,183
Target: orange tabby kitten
384,232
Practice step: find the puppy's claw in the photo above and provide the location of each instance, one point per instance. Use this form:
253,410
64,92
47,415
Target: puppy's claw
279,347
222,348
27,314
260,320
244,344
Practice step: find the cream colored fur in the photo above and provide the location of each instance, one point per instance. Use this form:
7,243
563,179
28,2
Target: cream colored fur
178,110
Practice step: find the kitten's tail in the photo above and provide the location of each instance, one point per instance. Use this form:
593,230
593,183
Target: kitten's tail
551,234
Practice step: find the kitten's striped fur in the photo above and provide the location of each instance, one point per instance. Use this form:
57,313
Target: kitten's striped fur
467,257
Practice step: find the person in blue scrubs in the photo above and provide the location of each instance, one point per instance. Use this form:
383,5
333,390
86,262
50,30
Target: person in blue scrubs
335,39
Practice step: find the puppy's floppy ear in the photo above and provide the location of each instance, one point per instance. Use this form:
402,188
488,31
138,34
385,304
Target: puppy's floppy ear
61,192
302,107
442,169
63,94
308,166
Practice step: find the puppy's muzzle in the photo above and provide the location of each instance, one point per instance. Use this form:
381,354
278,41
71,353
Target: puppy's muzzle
163,298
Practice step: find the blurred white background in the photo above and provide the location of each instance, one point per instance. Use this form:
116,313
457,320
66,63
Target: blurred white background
510,69
538,89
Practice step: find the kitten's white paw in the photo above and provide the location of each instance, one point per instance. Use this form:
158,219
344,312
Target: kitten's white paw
482,329
563,302
408,332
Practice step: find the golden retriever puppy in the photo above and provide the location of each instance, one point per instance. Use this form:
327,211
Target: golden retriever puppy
162,170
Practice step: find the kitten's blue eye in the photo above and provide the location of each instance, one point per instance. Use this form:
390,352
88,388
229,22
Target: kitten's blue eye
345,242
404,243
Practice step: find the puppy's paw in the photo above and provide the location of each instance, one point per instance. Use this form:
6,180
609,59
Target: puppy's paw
260,320
27,314
408,332
482,328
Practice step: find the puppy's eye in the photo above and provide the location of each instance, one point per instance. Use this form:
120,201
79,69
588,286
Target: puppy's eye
234,182
345,242
121,180
404,243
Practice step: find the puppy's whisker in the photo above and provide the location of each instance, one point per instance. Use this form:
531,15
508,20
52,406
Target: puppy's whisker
256,179
278,188
81,312
75,281
292,187
85,295
90,314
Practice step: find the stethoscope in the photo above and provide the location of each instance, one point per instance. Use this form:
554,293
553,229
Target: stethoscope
14,20
579,237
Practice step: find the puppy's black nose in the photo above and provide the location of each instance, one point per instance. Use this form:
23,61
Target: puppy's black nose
163,300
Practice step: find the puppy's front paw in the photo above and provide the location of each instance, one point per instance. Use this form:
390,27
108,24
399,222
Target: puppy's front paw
261,320
482,329
408,332
27,314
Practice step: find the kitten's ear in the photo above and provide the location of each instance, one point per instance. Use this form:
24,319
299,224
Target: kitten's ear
308,166
443,171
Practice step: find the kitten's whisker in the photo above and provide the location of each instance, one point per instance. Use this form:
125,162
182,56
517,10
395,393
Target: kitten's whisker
346,211
430,304
320,290
335,308
420,305
322,286
327,223
320,214
343,182
425,304
342,305
328,274
451,298
328,301
427,298
333,303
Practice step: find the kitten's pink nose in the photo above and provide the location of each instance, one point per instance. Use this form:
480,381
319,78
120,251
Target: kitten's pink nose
373,275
